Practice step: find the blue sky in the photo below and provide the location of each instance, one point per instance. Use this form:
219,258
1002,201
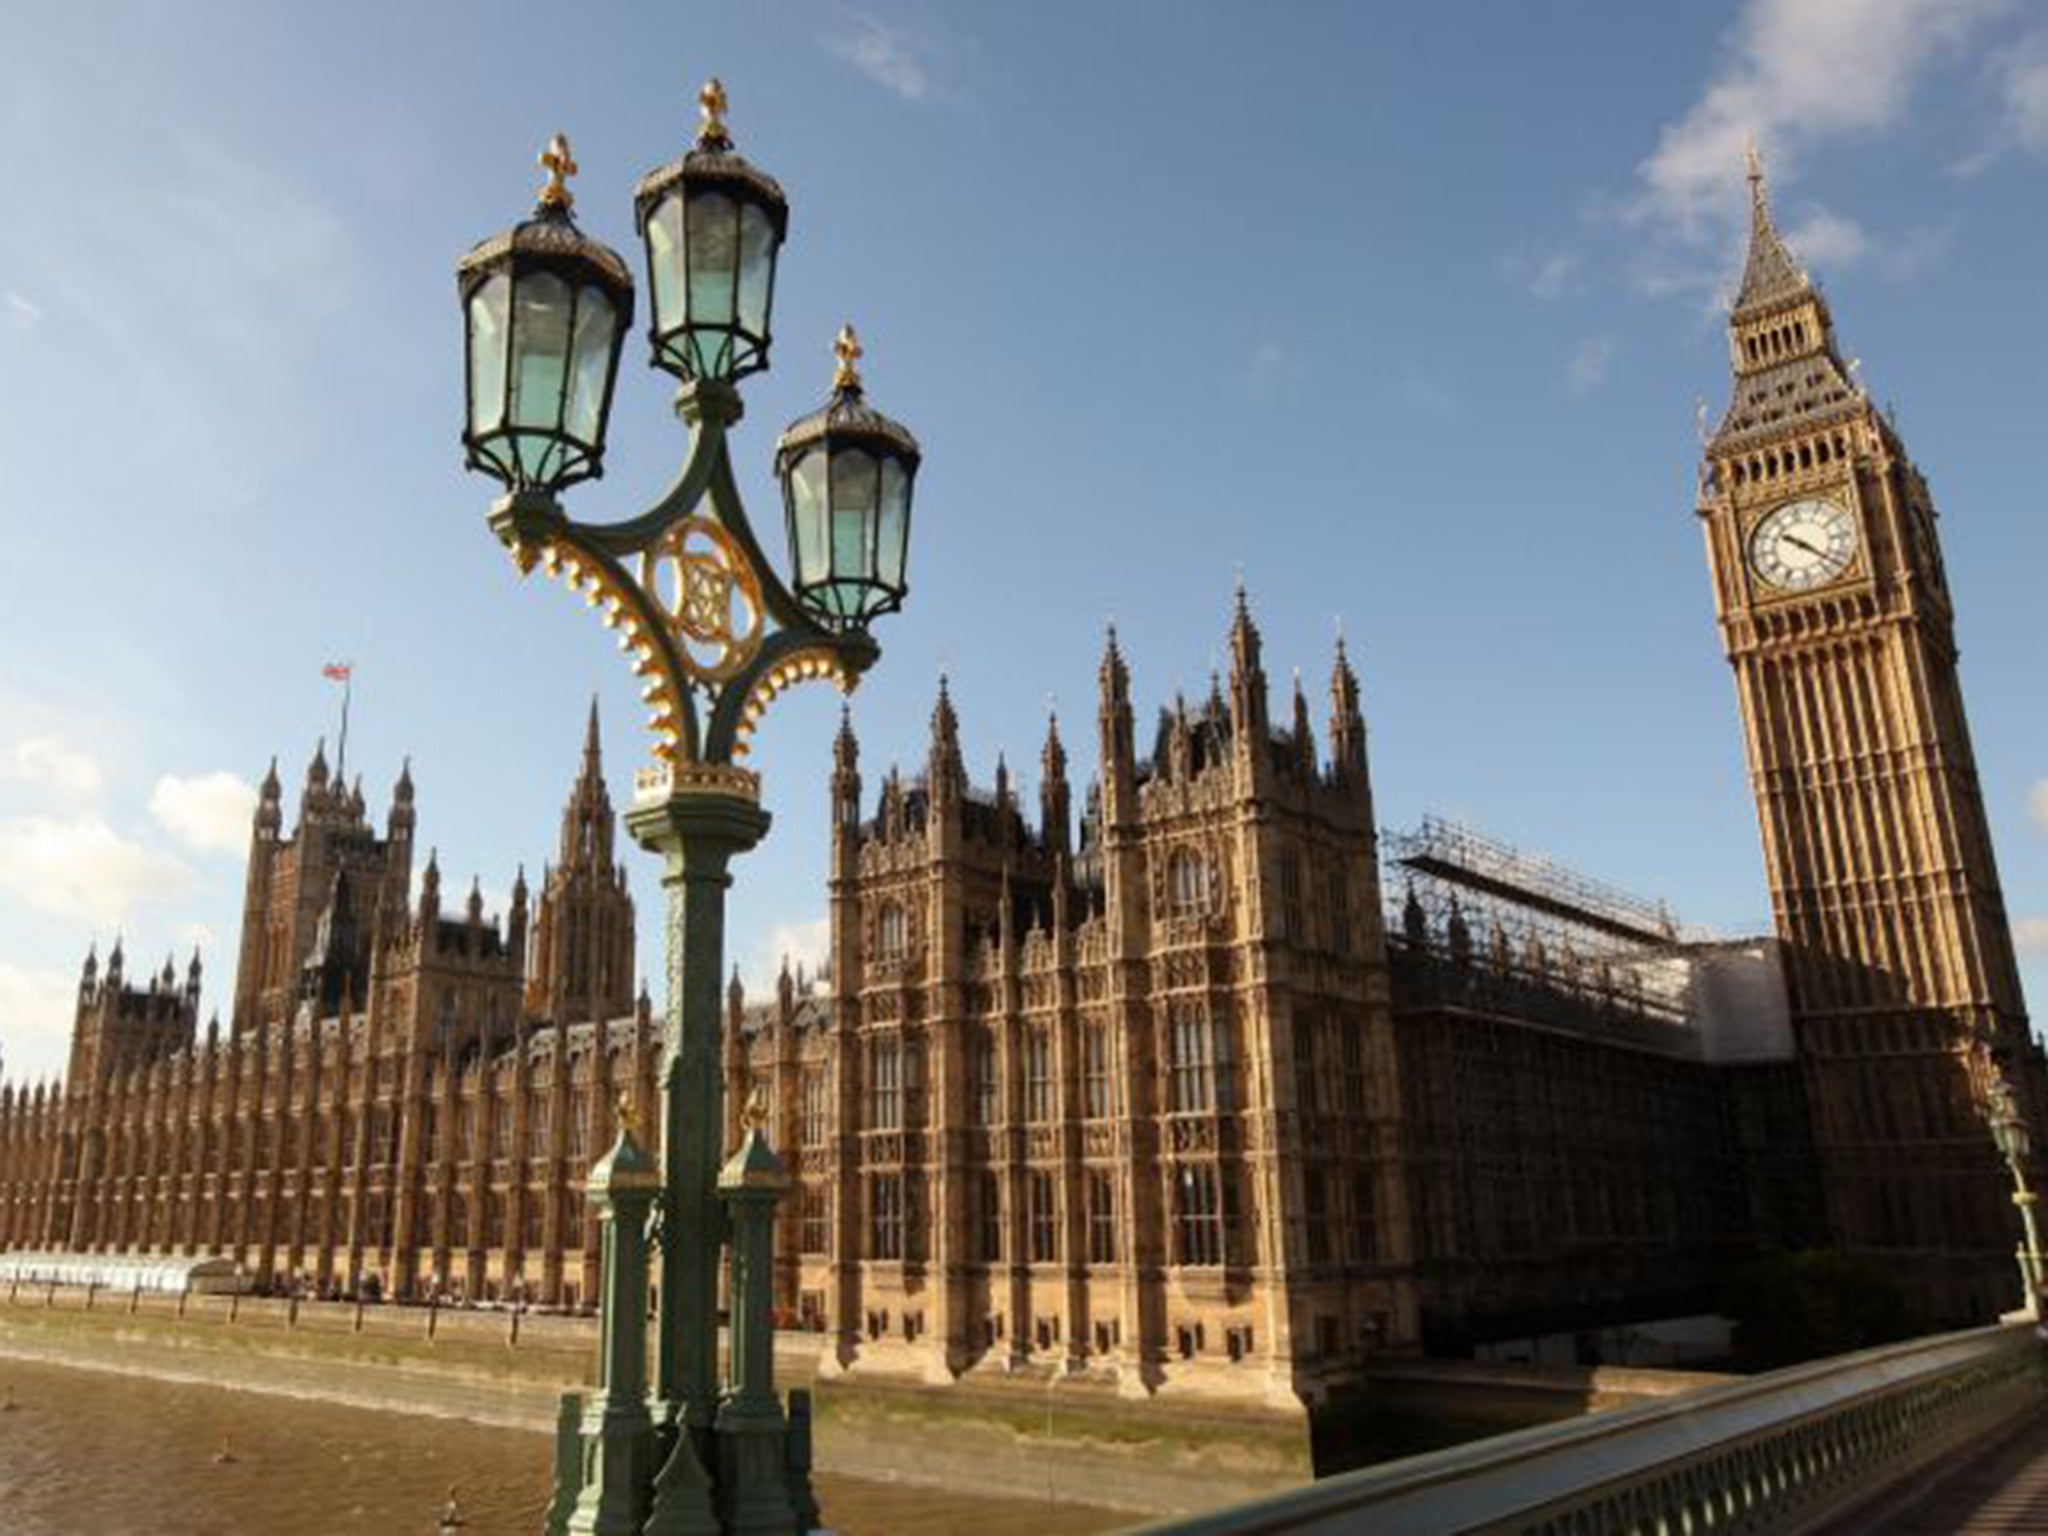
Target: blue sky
1403,311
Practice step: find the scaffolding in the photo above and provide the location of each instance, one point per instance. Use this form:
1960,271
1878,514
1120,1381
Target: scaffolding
1459,894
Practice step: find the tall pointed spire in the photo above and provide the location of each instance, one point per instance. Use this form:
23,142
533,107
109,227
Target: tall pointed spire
587,817
946,767
1247,678
1770,276
845,745
593,748
1055,800
1115,677
1347,725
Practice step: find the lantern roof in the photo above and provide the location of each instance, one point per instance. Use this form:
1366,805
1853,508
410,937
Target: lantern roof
550,236
628,1165
847,415
711,161
754,1165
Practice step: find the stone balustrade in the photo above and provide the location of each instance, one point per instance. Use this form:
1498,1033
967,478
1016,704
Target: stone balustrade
1781,1452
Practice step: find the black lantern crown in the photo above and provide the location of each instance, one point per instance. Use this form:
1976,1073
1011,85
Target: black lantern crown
846,473
713,226
546,309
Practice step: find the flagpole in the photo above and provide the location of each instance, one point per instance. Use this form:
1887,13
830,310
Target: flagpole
348,682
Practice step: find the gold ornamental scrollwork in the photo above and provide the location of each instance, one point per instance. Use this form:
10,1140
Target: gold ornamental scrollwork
709,596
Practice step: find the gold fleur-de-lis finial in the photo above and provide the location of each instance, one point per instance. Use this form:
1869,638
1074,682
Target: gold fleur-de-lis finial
755,1116
560,166
629,1117
846,347
711,102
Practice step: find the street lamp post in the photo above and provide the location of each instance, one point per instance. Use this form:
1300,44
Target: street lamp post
2015,1142
711,629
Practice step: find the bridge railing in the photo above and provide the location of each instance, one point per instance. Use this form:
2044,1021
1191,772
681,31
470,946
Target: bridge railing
1776,1453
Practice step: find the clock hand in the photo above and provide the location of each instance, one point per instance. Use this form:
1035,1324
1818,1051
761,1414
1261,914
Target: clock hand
1793,538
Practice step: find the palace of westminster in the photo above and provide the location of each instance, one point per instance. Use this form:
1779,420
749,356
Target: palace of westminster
1193,1083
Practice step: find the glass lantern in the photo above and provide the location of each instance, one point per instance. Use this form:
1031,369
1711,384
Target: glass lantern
545,310
846,473
713,226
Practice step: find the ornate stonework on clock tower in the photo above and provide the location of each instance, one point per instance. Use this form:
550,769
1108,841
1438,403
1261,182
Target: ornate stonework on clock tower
1838,623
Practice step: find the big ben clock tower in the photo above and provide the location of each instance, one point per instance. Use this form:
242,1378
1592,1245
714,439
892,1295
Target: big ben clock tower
1838,624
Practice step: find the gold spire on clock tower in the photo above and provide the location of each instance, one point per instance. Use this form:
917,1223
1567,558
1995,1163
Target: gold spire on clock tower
1833,610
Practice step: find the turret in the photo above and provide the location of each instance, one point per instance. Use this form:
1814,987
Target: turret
1304,737
88,979
430,891
947,774
400,820
515,934
1055,798
114,964
1247,685
1119,757
1347,725
316,778
269,807
192,974
845,784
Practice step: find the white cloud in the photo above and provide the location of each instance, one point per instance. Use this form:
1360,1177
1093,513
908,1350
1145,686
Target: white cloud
895,59
2037,803
1427,397
1828,240
2026,92
2031,935
71,775
805,942
1273,365
1554,276
23,313
1590,361
208,813
81,868
36,1014
1798,70
1794,72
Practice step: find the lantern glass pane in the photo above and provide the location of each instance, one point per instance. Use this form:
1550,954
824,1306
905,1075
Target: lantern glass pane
807,504
665,262
487,352
757,268
713,234
893,537
596,321
854,486
540,351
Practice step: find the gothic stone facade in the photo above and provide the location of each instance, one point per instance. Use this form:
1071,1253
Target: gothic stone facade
1052,1109
407,1100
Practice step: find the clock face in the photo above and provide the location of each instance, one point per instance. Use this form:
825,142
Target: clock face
1803,545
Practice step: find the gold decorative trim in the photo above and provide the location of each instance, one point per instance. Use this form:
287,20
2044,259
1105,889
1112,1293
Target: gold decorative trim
799,667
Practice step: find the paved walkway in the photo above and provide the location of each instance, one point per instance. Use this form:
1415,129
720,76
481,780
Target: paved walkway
2003,1490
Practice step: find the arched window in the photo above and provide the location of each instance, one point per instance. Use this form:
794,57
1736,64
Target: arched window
890,933
1187,883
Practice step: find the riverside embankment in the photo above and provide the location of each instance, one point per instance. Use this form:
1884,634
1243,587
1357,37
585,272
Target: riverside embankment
1057,1446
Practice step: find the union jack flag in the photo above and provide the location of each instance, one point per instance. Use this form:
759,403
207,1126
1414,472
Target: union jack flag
337,670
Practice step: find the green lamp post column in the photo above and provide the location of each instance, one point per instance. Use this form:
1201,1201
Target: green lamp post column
2009,1130
618,1432
753,1473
